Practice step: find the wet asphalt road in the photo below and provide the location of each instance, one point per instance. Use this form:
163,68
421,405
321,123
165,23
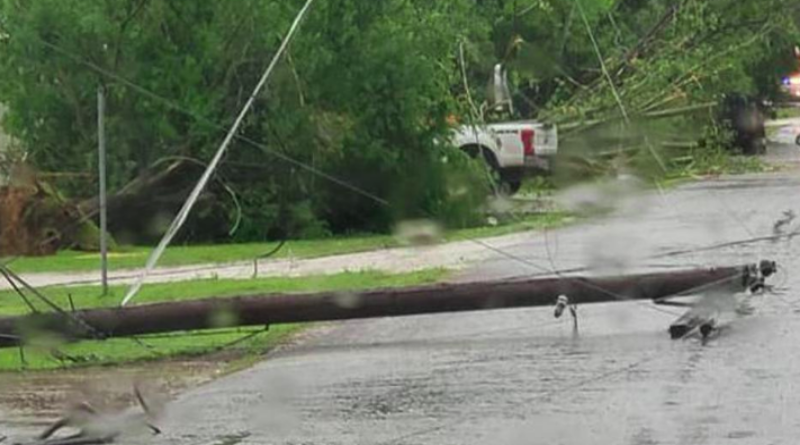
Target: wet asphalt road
515,377
521,377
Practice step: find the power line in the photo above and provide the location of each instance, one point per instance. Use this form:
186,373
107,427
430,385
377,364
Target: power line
19,291
77,320
177,107
298,163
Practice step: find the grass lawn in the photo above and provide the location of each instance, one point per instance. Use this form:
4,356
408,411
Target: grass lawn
523,224
129,257
248,342
135,257
788,113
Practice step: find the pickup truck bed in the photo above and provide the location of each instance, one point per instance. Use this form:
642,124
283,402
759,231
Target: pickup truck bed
514,149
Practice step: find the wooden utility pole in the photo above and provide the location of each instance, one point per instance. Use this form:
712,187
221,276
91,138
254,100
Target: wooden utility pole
326,306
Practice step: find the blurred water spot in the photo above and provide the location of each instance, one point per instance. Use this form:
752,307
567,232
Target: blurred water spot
223,318
499,204
718,301
459,191
159,224
420,232
347,300
601,196
611,253
275,415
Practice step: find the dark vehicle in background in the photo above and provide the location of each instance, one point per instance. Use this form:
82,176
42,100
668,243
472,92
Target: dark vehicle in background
790,86
746,117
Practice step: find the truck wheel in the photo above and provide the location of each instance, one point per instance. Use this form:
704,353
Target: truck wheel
511,187
492,166
750,147
762,146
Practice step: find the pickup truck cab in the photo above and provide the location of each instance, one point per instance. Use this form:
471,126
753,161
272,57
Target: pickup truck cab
511,149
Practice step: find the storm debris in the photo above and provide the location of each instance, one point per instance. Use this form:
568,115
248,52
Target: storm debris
779,227
95,426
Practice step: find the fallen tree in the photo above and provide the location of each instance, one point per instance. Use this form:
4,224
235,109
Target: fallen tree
36,220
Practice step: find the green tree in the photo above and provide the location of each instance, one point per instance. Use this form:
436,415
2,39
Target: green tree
362,94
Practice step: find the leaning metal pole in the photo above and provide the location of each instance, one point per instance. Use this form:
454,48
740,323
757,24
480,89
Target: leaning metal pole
326,306
101,165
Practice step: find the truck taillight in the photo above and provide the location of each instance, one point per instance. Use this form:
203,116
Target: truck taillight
527,141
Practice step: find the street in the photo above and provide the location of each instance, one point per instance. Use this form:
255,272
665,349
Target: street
399,222
519,376
523,377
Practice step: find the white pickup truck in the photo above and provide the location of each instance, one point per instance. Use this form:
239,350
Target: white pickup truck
512,149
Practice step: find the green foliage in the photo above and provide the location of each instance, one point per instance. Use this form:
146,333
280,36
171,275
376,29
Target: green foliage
383,73
707,49
365,89
184,51
362,95
712,157
654,62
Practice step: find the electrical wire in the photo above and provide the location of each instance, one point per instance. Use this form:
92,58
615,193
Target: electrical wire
175,106
77,321
553,269
278,154
19,291
602,62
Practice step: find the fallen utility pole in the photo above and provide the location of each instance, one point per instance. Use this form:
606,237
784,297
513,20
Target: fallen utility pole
326,306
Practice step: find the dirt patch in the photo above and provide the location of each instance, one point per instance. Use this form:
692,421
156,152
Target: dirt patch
30,400
14,237
36,398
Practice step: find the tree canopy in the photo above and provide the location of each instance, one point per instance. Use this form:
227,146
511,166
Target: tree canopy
363,94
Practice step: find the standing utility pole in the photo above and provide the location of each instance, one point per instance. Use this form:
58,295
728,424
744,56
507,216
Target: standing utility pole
101,142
